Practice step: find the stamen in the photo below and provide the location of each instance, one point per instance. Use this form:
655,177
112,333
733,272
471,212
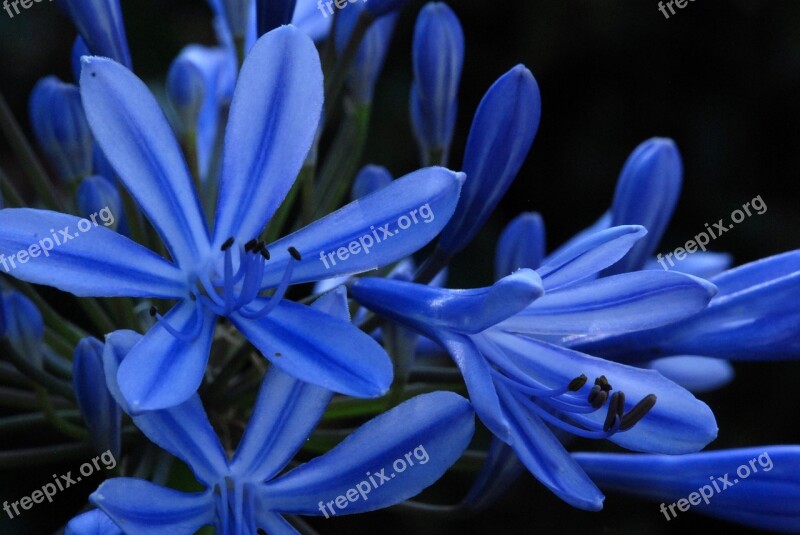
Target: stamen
603,383
638,412
227,244
251,245
295,253
280,291
616,408
265,253
600,399
577,383
183,337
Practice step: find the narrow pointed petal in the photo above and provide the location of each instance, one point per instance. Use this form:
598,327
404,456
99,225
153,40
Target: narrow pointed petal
767,498
285,413
647,192
102,414
101,263
500,470
431,431
23,325
678,423
130,127
334,354
467,311
521,245
273,120
587,256
139,507
616,304
366,233
545,457
700,264
163,371
94,522
695,374
101,26
501,135
184,430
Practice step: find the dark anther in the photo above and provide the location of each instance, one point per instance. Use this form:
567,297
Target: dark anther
616,409
261,532
577,383
153,312
638,412
227,244
265,253
192,296
259,246
251,245
295,253
593,393
599,399
603,383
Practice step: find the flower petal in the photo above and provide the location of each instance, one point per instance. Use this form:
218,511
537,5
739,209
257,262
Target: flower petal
273,120
428,195
678,423
521,245
320,349
700,264
616,304
427,434
101,264
768,499
163,371
140,507
545,457
94,522
695,374
130,127
100,411
500,470
588,255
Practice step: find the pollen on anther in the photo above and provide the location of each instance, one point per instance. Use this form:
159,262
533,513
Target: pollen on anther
577,383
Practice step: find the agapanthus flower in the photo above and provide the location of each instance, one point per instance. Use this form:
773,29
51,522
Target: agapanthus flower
249,491
519,383
273,120
101,26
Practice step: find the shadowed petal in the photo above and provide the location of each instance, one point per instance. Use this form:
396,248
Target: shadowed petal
521,245
696,374
94,522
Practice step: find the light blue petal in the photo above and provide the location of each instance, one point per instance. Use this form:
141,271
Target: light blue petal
765,495
501,135
754,274
100,263
431,431
102,414
700,264
521,245
94,522
136,138
616,304
428,196
587,256
184,430
647,192
429,309
101,25
333,354
370,179
545,457
307,18
678,423
163,371
696,374
143,508
273,119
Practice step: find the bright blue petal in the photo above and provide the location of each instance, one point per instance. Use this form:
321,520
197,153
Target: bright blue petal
163,371
767,499
700,264
586,256
307,18
431,431
94,522
102,414
430,309
428,196
678,423
647,192
545,457
521,245
273,119
143,508
616,304
333,354
370,179
101,263
501,135
696,374
136,138
101,25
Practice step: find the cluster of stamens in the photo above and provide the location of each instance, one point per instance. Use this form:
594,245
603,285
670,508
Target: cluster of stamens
616,417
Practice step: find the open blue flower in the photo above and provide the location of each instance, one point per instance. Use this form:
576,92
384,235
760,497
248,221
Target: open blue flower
250,491
519,383
273,120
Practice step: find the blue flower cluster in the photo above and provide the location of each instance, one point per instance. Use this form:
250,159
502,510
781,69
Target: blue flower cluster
224,195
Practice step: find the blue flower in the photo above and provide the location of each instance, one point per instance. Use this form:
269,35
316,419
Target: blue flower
101,26
247,492
756,486
273,120
519,383
369,180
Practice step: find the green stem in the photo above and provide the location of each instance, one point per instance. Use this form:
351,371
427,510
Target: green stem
97,314
15,459
65,328
35,374
58,423
432,266
33,422
14,398
335,80
11,196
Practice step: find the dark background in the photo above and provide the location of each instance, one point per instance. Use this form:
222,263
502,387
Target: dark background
721,78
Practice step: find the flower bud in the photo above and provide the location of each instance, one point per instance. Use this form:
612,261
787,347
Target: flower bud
100,24
370,179
101,413
24,326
